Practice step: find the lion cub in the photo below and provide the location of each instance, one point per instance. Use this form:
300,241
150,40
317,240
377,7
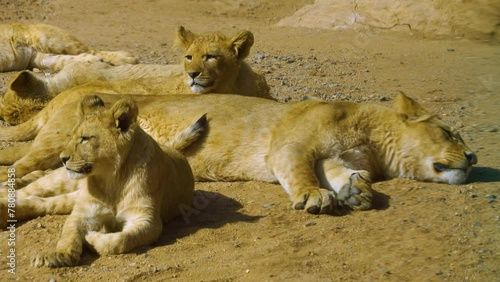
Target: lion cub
212,63
128,185
26,46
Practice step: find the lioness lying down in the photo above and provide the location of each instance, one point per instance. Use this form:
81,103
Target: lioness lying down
324,154
125,186
27,46
213,63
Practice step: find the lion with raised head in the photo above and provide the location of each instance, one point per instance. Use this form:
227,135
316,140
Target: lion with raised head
27,46
126,185
325,154
213,63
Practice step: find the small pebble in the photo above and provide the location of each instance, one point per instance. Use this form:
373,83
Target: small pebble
260,56
310,223
385,271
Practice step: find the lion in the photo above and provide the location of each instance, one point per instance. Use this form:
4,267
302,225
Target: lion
126,185
27,46
326,155
215,65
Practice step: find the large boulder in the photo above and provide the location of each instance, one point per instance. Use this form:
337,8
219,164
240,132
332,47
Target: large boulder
477,19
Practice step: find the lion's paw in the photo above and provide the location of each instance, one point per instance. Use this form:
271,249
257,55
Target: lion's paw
101,243
54,259
88,58
357,194
316,200
122,58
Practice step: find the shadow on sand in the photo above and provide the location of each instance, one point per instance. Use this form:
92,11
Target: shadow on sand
484,174
209,210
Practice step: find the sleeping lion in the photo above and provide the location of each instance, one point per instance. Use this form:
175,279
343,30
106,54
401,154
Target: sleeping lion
27,46
326,155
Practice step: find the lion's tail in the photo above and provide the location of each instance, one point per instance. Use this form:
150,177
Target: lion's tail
189,135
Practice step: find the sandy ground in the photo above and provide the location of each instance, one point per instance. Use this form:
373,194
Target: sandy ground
247,231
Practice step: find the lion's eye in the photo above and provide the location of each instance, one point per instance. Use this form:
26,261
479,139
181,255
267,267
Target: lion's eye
209,57
85,138
452,135
458,137
189,57
447,134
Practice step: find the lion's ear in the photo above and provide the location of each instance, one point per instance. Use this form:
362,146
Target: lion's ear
26,84
408,107
241,43
124,113
89,104
184,38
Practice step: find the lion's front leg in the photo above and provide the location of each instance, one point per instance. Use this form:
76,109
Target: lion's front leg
352,187
57,62
44,184
69,247
140,227
294,170
9,156
34,206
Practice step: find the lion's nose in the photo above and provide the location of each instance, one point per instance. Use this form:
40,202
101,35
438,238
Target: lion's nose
193,74
64,159
471,157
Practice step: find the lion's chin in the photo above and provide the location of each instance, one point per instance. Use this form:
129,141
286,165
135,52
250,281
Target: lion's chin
456,176
196,88
199,86
77,174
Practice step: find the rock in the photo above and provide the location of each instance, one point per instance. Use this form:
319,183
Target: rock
261,56
310,223
475,19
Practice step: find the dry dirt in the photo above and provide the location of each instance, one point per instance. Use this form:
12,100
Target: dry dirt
247,231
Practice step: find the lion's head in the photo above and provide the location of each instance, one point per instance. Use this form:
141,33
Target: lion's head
427,149
101,140
26,95
211,60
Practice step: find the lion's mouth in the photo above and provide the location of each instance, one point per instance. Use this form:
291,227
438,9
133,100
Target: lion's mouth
451,175
438,167
79,172
199,83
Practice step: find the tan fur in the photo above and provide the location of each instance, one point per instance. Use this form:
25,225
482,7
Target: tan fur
26,46
224,72
325,154
126,185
